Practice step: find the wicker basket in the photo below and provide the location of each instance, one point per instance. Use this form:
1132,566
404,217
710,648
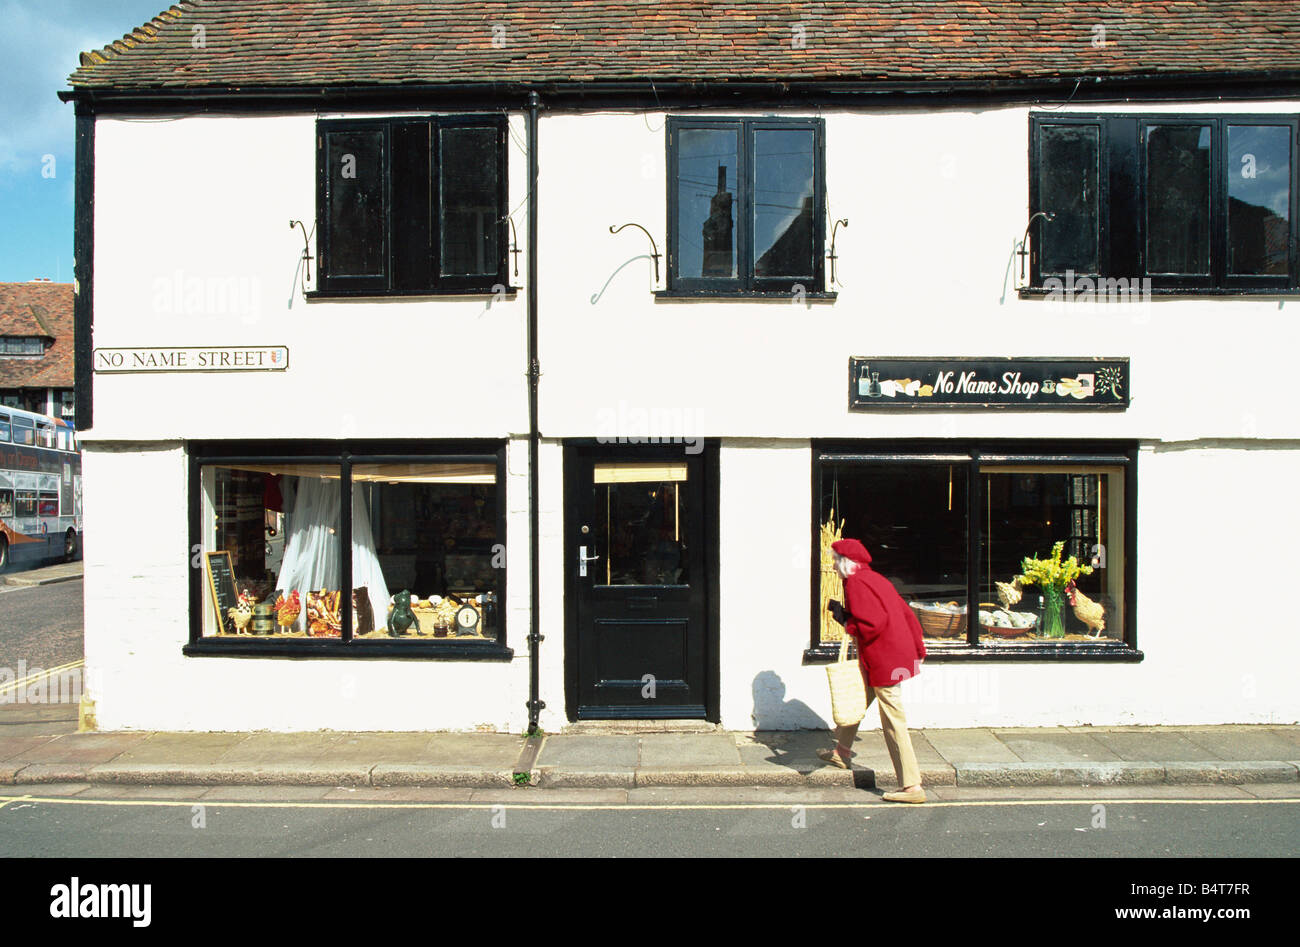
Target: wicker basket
939,624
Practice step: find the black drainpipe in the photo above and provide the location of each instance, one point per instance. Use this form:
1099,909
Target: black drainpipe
535,703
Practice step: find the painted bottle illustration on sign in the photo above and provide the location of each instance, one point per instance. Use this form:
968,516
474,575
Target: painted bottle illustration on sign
868,383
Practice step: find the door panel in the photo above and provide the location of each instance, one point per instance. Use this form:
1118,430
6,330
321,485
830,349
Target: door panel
637,567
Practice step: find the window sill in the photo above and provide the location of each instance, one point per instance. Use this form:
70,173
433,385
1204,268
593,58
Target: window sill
1094,653
1030,292
748,294
510,293
388,650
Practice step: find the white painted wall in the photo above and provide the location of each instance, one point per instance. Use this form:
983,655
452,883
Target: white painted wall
193,247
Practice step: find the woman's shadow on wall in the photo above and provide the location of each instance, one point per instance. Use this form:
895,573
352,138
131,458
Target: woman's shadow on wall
790,729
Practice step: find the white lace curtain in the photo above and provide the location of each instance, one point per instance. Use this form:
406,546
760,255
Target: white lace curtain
312,550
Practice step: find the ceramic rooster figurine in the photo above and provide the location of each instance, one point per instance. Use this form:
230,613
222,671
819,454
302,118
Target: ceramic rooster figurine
1009,593
1086,610
241,615
287,609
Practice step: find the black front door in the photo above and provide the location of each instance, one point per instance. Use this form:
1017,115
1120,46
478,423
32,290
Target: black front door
637,574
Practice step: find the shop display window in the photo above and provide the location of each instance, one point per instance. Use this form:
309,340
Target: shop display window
1053,567
1028,511
359,550
913,519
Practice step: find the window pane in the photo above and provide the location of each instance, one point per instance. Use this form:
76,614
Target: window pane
4,428
280,527
912,519
1259,199
707,163
6,504
783,202
643,529
24,432
470,230
412,214
1029,510
1178,199
355,165
431,530
1068,170
25,502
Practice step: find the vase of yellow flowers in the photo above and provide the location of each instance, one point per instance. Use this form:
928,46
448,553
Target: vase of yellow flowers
1052,576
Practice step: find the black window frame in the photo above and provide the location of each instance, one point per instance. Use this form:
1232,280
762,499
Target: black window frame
974,453
345,454
1122,201
745,282
388,283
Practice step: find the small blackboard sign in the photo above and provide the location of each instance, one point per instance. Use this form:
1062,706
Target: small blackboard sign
221,584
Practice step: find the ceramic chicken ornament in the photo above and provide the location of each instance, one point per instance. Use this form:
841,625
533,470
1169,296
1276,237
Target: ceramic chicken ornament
1086,610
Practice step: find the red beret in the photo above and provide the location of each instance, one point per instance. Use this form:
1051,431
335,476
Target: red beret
852,549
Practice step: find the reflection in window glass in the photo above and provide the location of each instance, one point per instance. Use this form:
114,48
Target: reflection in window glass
912,519
6,504
357,201
643,529
49,504
25,501
783,202
24,432
4,428
434,531
1259,199
707,162
469,201
1028,510
1067,187
1178,199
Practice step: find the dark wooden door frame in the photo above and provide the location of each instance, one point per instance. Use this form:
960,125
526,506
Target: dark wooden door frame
712,561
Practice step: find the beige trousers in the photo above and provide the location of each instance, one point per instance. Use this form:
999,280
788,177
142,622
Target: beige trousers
894,725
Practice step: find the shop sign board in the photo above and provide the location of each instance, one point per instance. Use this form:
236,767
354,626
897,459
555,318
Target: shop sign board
1040,384
225,358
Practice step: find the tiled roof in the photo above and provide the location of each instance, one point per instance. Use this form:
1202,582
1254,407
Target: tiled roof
221,44
31,309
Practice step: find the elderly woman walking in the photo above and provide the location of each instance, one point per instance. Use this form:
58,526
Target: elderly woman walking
890,650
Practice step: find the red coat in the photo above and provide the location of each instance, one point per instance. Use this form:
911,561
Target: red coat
886,630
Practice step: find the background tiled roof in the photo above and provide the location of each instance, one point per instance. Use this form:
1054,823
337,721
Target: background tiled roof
28,309
264,43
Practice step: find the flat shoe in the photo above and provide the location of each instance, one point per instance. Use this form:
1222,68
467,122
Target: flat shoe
830,756
915,797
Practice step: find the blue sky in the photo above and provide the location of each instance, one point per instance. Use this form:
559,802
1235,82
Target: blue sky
39,44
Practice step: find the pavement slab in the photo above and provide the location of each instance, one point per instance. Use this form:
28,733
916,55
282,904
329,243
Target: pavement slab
113,791
1152,745
1244,744
12,746
183,748
1273,791
89,748
497,751
678,750
589,753
1055,744
281,748
357,748
970,746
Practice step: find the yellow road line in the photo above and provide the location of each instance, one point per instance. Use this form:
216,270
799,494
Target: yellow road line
14,685
667,807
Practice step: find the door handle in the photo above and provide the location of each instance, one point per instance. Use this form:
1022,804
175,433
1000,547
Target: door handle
583,559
